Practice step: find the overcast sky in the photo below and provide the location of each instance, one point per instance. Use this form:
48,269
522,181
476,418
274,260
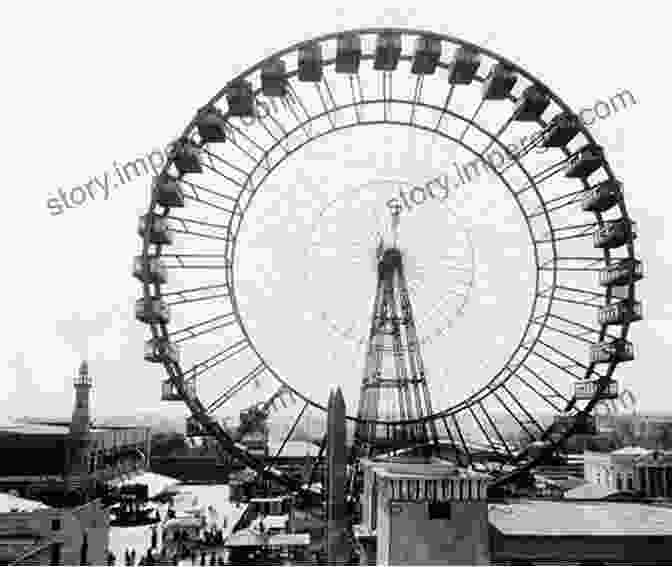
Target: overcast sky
87,85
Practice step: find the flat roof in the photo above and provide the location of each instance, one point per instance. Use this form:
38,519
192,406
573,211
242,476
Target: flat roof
10,503
572,518
33,429
249,538
590,491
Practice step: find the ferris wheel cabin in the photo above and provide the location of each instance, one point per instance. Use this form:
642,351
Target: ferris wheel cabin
161,350
531,105
211,126
153,270
348,53
602,197
152,310
585,162
185,155
159,232
240,98
274,78
168,192
464,66
613,234
310,63
586,389
388,51
622,272
617,350
620,313
169,392
561,130
499,82
426,56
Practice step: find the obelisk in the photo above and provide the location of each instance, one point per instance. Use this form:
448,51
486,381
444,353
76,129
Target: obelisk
337,549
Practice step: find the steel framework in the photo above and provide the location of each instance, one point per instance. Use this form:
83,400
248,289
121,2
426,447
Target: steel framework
578,325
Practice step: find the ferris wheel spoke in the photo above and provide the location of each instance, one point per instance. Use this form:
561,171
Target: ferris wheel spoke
482,429
569,232
216,359
506,407
446,104
545,397
290,433
417,96
183,296
573,264
296,99
357,96
523,151
585,330
186,226
497,135
195,186
235,388
186,261
545,174
567,200
471,120
207,203
234,130
556,365
328,111
565,356
220,159
531,419
463,441
224,176
494,427
202,328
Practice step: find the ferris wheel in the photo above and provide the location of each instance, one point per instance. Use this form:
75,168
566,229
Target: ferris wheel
574,243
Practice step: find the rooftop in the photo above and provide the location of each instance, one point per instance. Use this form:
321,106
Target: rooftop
557,518
11,503
420,468
632,450
590,491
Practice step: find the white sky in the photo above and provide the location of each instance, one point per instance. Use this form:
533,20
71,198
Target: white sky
85,85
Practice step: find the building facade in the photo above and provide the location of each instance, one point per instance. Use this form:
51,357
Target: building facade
615,470
416,513
35,534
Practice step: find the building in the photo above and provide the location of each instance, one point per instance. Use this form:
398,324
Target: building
52,477
422,513
32,533
50,459
653,474
615,470
557,532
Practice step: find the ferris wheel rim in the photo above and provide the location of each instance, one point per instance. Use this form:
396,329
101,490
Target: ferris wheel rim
160,330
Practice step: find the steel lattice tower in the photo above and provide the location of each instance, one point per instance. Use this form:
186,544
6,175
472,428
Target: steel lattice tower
394,386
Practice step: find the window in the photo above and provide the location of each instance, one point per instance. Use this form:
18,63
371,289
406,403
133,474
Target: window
56,524
439,511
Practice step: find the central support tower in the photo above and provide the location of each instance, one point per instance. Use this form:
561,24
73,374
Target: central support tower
394,386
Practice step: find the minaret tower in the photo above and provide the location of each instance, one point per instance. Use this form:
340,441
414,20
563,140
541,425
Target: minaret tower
80,425
394,385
